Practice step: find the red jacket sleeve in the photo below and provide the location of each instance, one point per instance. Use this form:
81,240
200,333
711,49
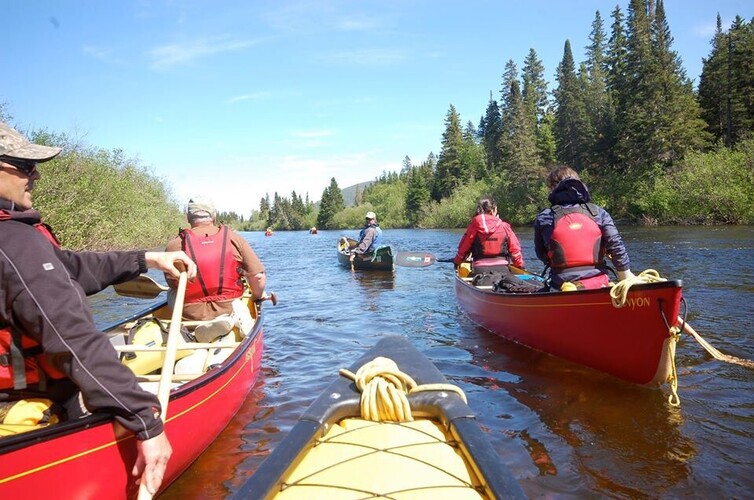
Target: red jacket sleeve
514,246
467,240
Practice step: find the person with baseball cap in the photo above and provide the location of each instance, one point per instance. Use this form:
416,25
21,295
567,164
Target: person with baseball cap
45,288
369,236
223,257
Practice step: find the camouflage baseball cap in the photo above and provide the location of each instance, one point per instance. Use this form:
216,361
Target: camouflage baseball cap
15,145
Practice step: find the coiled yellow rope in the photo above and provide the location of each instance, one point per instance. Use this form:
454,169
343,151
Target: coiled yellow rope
619,291
385,388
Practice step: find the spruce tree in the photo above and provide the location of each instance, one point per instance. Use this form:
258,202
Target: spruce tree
599,111
331,203
660,121
491,135
517,142
417,196
571,121
537,105
714,87
449,172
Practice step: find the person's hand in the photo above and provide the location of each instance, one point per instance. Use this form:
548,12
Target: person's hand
625,275
152,461
166,261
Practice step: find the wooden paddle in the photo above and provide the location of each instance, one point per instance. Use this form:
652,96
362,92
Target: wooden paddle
414,259
141,287
168,364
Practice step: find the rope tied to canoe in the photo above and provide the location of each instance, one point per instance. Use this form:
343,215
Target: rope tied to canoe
619,294
385,389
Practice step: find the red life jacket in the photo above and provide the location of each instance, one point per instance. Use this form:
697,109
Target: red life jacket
21,357
47,233
492,244
217,273
576,239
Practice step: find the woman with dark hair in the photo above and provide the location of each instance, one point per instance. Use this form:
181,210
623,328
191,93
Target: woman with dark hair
574,236
490,241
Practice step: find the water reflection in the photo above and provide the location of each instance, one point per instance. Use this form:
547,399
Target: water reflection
604,423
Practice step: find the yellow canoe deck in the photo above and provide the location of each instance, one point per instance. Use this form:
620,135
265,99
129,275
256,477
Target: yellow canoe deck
362,459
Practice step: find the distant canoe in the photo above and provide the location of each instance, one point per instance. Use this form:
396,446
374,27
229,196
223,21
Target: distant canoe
313,230
633,343
381,259
335,451
268,232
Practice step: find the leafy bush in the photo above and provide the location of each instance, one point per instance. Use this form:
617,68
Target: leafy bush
100,200
706,188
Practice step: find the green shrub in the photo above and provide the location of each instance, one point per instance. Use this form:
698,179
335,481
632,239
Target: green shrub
100,200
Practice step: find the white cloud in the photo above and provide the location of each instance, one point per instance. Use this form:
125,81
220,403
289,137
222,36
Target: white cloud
248,97
366,57
177,54
313,133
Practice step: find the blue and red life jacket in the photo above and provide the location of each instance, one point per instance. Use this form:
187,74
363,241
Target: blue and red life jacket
217,274
576,240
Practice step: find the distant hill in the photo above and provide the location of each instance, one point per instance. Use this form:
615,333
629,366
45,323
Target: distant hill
349,193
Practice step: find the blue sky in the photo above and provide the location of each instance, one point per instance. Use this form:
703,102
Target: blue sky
236,99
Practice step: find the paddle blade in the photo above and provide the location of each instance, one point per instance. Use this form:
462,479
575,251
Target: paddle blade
142,287
414,259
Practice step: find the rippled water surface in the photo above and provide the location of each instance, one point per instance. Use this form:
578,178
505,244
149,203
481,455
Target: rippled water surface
564,430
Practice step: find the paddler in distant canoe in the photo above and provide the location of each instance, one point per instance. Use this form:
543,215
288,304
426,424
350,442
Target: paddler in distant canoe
574,236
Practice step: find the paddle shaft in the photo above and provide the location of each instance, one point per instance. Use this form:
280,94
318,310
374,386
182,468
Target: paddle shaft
166,375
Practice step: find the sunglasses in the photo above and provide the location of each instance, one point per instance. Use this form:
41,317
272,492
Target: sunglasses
28,167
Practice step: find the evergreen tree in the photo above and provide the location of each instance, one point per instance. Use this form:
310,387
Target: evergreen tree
726,85
517,143
599,111
660,121
537,104
546,144
450,171
491,135
571,121
617,80
330,204
417,196
472,155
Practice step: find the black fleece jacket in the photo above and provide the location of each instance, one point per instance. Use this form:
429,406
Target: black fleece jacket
43,293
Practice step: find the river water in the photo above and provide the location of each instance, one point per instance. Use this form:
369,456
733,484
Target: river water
565,431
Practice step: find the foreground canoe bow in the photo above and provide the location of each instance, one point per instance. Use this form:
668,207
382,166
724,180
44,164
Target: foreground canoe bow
92,457
634,343
332,452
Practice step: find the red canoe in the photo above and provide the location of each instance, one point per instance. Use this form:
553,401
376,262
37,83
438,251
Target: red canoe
632,343
92,457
